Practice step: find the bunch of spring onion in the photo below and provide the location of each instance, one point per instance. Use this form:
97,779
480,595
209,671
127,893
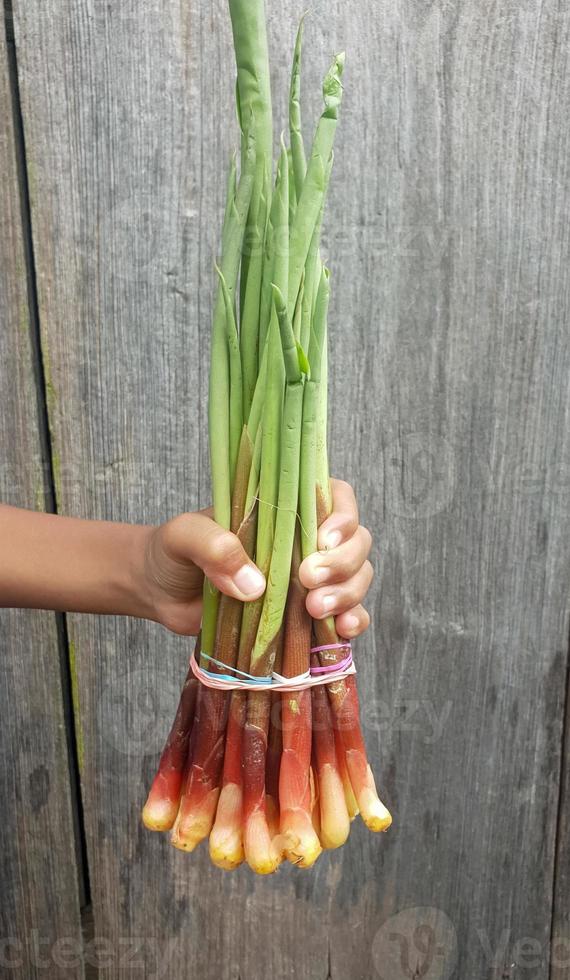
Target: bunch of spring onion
269,776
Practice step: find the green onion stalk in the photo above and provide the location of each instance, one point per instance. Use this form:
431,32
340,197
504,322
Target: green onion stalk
266,776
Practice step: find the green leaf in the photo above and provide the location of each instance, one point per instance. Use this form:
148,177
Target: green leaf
303,361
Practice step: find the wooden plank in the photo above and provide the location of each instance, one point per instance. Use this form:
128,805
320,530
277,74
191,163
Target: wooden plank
560,937
451,292
456,367
39,913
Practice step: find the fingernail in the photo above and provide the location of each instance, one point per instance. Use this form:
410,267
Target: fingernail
333,539
328,602
249,580
351,622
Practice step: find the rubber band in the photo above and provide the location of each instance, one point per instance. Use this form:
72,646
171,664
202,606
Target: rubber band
332,668
332,646
220,663
222,681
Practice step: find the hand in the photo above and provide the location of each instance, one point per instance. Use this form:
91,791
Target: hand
339,574
178,554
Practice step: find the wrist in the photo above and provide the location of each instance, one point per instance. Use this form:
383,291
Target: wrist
138,592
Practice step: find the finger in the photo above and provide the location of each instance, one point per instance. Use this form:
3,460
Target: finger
352,623
343,521
332,600
338,565
219,553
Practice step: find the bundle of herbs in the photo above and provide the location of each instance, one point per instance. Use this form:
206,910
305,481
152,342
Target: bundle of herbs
269,775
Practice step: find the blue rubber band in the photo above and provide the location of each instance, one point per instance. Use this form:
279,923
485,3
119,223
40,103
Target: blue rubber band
228,677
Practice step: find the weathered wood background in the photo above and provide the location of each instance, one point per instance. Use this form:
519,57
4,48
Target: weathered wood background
449,239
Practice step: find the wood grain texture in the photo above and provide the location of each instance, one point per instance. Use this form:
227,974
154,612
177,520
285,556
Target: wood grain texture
448,241
462,347
560,935
39,913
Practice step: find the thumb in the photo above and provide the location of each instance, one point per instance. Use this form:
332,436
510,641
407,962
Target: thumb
219,553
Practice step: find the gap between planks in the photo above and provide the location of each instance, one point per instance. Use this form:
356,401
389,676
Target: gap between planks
50,500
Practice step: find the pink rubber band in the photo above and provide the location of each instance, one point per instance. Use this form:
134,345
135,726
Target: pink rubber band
332,668
326,675
332,646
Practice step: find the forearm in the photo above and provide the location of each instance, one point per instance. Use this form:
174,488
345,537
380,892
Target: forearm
70,565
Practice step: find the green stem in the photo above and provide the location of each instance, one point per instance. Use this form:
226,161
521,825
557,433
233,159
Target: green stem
253,84
308,473
316,181
280,567
288,341
275,380
313,272
308,476
249,334
219,394
254,104
256,409
230,193
276,247
253,485
295,128
320,377
292,189
298,317
236,404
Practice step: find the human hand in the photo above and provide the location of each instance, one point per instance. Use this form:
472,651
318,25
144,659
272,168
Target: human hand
179,553
339,575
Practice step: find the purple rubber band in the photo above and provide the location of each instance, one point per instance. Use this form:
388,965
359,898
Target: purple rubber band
332,646
337,668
